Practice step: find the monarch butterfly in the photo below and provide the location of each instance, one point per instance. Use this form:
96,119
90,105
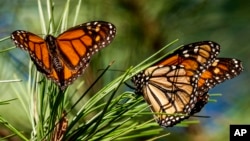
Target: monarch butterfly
64,58
177,86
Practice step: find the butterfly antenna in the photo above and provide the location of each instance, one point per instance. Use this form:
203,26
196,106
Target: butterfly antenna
131,87
200,116
115,70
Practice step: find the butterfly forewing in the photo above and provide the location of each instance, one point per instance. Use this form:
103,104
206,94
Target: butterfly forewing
78,44
36,47
195,56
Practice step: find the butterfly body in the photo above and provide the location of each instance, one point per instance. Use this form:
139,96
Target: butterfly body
64,58
177,86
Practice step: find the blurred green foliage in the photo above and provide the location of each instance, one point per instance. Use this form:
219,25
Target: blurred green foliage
143,27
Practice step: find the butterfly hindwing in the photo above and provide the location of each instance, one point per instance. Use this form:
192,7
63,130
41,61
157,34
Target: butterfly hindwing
201,102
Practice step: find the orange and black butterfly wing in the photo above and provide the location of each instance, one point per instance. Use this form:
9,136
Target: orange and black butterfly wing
195,57
169,90
64,76
40,53
178,96
201,102
36,46
77,45
221,69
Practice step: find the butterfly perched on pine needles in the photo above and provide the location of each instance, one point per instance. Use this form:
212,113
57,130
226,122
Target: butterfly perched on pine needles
177,86
64,58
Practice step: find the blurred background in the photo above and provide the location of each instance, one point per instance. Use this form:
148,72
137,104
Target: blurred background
143,27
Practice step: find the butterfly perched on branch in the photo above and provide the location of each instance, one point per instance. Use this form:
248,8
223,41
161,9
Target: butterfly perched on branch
177,86
64,58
